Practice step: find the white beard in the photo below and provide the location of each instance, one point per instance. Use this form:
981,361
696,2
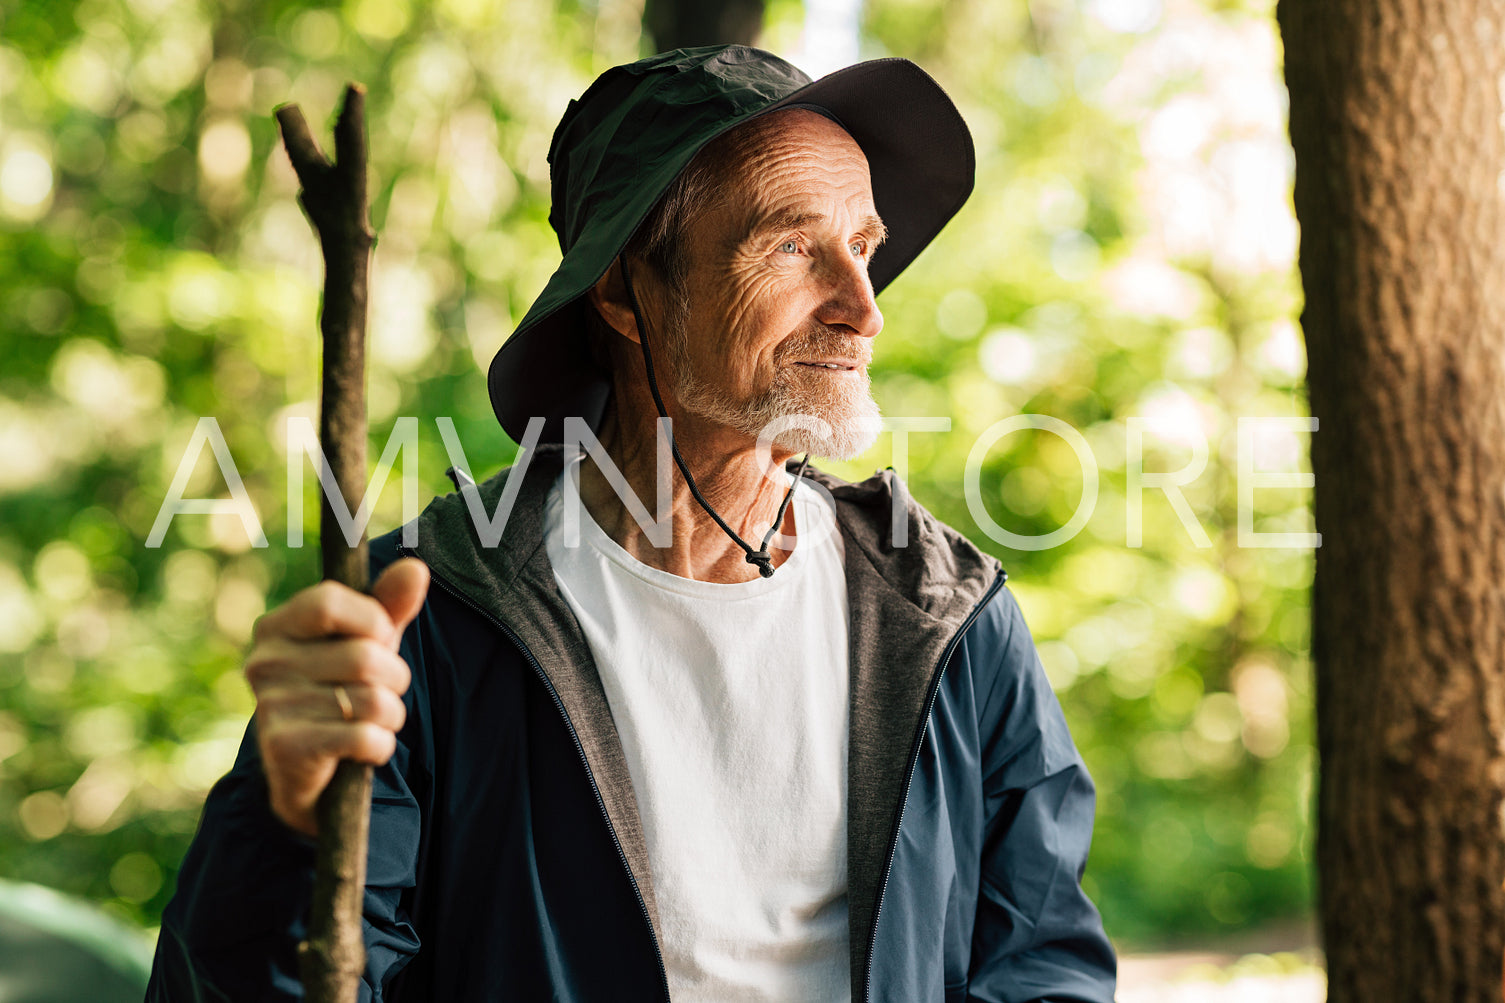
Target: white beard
839,426
806,412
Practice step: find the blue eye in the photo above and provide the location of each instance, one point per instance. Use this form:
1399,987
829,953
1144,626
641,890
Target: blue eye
857,247
790,247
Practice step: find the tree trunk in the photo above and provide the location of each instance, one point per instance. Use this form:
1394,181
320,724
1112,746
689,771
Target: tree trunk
1396,123
678,23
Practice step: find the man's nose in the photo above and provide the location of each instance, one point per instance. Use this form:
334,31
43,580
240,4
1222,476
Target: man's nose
849,298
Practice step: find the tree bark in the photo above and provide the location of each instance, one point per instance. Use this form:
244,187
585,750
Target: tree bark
678,23
334,197
1395,116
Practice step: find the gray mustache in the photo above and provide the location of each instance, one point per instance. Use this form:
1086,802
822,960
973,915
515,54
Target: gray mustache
827,343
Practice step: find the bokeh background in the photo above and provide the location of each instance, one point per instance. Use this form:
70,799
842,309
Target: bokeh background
1129,253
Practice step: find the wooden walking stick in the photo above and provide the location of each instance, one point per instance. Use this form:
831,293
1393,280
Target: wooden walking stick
334,198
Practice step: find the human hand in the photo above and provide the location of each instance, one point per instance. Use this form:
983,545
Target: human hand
329,682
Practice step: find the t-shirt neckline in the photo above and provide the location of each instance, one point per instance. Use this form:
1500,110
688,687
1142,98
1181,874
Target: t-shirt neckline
593,536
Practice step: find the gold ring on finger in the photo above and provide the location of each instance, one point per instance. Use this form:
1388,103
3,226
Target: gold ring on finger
347,709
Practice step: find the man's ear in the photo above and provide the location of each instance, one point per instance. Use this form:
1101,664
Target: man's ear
609,297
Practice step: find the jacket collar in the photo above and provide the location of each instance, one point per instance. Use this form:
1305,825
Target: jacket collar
906,605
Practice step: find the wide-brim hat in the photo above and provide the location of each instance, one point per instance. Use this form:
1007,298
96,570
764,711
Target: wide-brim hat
621,145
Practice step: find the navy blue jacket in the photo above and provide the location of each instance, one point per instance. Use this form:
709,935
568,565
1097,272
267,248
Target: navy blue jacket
506,858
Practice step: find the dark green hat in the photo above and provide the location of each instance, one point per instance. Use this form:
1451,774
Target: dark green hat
621,145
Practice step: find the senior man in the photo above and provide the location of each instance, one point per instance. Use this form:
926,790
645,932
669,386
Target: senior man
632,758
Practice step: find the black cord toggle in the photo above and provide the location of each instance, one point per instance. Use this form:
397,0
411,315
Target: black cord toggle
763,560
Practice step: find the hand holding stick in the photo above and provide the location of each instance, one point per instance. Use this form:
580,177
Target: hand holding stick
334,198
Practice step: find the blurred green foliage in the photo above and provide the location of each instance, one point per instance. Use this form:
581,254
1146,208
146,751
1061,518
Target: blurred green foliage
1128,254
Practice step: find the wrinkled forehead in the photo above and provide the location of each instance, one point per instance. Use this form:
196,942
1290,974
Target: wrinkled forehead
770,141
793,154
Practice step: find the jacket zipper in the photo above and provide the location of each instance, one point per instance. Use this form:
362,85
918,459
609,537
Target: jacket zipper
914,761
658,954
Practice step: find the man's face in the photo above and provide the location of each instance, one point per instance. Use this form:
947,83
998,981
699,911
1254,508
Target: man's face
779,315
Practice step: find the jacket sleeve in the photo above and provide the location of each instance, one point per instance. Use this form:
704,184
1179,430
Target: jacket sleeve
1037,936
232,928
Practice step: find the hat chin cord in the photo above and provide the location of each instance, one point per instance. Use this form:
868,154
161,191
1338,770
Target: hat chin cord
760,557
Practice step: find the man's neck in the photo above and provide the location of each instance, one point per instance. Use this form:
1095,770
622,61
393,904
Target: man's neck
726,471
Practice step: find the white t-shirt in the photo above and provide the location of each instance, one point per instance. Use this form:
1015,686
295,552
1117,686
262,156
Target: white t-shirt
731,702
